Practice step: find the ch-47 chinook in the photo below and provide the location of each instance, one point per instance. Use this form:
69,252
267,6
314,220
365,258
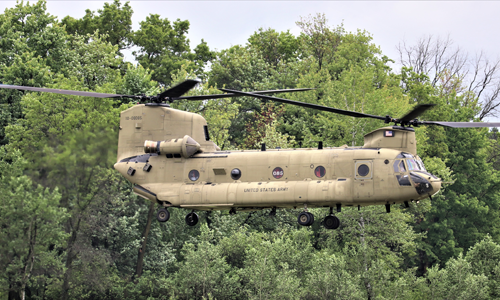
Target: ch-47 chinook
168,156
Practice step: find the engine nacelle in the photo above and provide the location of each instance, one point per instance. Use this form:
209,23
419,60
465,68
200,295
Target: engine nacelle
185,147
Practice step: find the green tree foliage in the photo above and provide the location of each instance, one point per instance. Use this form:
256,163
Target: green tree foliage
164,48
31,228
30,40
484,259
466,210
347,72
275,47
114,20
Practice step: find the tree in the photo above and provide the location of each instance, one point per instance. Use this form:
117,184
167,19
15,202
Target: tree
319,40
456,281
31,230
439,59
164,48
31,41
484,259
274,47
464,212
114,20
377,245
208,272
330,278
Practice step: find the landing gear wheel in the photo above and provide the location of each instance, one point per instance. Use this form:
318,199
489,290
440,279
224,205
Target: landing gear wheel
331,222
162,215
191,219
312,219
305,218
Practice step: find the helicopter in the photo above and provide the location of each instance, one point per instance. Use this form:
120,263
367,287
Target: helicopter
169,158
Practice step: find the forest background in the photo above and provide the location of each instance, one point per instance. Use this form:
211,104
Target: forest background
70,227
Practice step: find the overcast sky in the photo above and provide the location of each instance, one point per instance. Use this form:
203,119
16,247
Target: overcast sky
471,25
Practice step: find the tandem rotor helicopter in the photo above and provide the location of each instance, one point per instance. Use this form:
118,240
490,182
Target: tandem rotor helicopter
168,157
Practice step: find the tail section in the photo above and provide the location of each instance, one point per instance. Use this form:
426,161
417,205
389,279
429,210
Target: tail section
159,123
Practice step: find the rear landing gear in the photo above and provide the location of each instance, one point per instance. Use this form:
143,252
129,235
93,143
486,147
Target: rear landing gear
331,221
163,215
305,218
191,219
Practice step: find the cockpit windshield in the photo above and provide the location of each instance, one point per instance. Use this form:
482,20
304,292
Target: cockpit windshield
415,164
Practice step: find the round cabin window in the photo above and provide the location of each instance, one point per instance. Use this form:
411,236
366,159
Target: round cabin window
363,170
235,174
320,171
194,175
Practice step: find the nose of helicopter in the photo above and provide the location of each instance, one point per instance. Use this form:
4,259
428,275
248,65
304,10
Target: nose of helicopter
425,183
436,185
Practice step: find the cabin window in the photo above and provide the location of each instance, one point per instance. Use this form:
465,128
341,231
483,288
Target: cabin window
194,175
320,171
363,170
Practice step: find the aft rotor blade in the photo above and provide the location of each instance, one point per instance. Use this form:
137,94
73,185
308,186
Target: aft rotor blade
217,96
308,105
461,124
416,112
180,89
65,92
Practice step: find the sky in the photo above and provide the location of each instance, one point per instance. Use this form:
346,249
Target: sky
472,25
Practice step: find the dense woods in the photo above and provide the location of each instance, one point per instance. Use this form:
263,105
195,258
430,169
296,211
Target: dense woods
71,228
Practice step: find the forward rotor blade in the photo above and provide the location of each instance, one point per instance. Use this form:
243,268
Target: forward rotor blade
217,96
65,92
308,105
461,124
416,112
180,89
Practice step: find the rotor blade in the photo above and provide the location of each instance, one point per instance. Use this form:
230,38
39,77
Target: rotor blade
217,96
416,112
460,124
180,89
308,105
65,92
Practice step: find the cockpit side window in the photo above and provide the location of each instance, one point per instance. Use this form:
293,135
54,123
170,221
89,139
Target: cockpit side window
403,180
399,166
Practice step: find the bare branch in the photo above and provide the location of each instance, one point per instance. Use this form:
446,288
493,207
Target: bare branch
452,70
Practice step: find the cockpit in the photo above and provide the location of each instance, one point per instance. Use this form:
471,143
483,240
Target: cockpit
413,163
410,171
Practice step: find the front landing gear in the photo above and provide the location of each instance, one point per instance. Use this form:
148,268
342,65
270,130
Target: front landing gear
163,215
305,218
191,219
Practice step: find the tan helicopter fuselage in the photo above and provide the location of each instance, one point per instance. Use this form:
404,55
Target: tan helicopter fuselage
167,155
